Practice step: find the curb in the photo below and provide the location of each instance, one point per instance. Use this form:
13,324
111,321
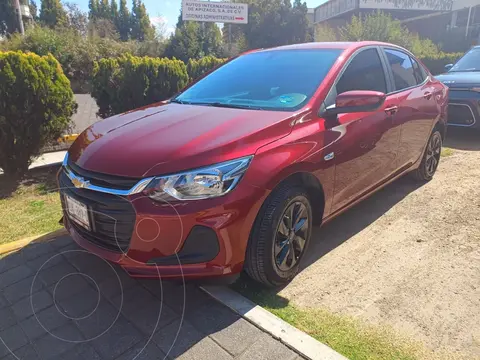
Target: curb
295,339
18,244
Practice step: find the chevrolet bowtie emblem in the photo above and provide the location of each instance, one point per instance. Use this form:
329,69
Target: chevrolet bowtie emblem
80,183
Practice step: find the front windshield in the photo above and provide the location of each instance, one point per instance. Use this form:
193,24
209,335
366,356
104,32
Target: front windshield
469,62
268,80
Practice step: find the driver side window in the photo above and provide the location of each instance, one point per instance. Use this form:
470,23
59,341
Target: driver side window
365,72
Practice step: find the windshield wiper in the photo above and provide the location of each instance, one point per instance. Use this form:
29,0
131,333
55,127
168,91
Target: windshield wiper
228,105
177,101
216,104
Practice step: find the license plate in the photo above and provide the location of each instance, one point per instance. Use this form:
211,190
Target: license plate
77,211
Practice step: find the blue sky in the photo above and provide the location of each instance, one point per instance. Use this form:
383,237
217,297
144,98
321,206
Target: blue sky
166,11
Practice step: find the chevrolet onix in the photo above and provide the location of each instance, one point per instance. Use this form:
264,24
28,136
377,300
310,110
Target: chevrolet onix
233,173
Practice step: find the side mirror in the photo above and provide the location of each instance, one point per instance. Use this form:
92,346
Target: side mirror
355,101
448,67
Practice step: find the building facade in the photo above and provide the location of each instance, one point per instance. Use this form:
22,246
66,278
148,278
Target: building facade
457,26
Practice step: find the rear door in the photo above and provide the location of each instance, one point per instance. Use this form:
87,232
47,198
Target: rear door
366,153
417,107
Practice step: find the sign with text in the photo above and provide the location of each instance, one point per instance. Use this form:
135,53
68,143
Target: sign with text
214,11
413,5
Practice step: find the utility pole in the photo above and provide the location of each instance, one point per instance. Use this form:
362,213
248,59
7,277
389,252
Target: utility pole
230,39
468,21
18,11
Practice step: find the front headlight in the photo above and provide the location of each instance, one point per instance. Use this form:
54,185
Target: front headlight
208,182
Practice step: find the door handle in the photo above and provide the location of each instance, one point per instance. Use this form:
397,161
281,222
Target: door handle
427,95
392,110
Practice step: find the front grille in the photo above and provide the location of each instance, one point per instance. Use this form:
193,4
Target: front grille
460,114
104,180
112,217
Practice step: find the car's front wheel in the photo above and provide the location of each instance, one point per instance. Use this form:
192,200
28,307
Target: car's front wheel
280,235
431,158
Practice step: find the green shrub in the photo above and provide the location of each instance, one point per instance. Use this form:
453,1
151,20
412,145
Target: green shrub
36,105
436,64
128,82
198,68
76,53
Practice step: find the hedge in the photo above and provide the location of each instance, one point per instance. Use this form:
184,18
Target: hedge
198,68
36,105
128,82
436,64
76,53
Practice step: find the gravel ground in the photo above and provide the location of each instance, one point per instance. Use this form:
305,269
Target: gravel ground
408,257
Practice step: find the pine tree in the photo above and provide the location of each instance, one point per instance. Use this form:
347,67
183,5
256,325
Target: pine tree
104,10
114,12
8,25
123,22
185,43
211,39
52,13
93,6
191,40
142,29
33,9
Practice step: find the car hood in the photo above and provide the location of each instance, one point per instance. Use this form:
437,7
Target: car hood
166,138
460,79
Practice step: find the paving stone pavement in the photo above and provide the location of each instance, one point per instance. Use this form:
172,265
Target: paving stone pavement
58,301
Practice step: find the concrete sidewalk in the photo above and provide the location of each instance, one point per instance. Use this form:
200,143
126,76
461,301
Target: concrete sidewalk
60,302
46,159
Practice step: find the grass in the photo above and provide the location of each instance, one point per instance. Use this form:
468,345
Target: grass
33,208
346,335
446,152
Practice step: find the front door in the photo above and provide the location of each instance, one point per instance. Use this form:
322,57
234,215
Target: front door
366,153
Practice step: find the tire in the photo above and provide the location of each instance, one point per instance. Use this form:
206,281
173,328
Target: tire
267,236
427,169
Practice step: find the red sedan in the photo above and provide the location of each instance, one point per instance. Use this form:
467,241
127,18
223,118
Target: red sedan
232,173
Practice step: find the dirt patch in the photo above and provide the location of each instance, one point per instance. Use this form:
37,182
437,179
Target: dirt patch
408,257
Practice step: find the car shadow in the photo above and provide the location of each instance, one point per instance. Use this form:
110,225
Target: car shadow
462,139
354,220
59,301
331,235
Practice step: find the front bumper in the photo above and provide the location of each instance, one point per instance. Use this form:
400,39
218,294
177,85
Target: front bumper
464,108
204,238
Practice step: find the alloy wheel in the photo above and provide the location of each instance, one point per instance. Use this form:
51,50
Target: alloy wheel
434,149
291,236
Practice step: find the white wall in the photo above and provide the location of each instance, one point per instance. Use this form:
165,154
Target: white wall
460,4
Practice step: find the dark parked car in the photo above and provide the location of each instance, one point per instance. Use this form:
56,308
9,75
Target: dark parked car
463,79
232,173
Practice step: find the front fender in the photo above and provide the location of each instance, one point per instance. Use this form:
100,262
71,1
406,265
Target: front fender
293,154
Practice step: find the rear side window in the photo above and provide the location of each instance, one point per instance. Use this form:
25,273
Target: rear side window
402,68
418,71
365,72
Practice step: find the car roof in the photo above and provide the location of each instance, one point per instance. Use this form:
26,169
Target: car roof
329,45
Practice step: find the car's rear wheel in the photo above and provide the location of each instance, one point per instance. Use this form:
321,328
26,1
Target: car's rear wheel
431,158
280,235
